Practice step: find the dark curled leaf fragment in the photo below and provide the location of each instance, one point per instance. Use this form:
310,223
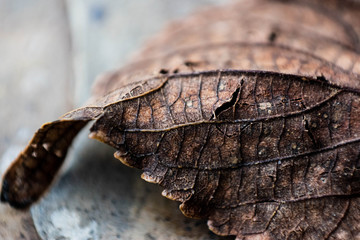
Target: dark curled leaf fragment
260,137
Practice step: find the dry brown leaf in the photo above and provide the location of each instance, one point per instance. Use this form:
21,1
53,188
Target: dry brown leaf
247,114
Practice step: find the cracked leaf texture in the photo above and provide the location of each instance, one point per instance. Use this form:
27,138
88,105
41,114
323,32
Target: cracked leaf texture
247,114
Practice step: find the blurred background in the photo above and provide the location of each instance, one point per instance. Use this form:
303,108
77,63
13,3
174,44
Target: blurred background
50,53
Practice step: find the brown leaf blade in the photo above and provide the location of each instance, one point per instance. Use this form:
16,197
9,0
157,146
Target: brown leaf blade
286,144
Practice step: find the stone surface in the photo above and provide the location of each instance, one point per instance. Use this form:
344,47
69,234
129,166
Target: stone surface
35,85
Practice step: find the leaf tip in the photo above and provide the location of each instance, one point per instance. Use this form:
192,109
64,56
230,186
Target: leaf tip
125,159
167,194
147,177
14,201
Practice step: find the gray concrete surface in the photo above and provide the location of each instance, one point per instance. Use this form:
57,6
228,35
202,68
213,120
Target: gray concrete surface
51,51
36,85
